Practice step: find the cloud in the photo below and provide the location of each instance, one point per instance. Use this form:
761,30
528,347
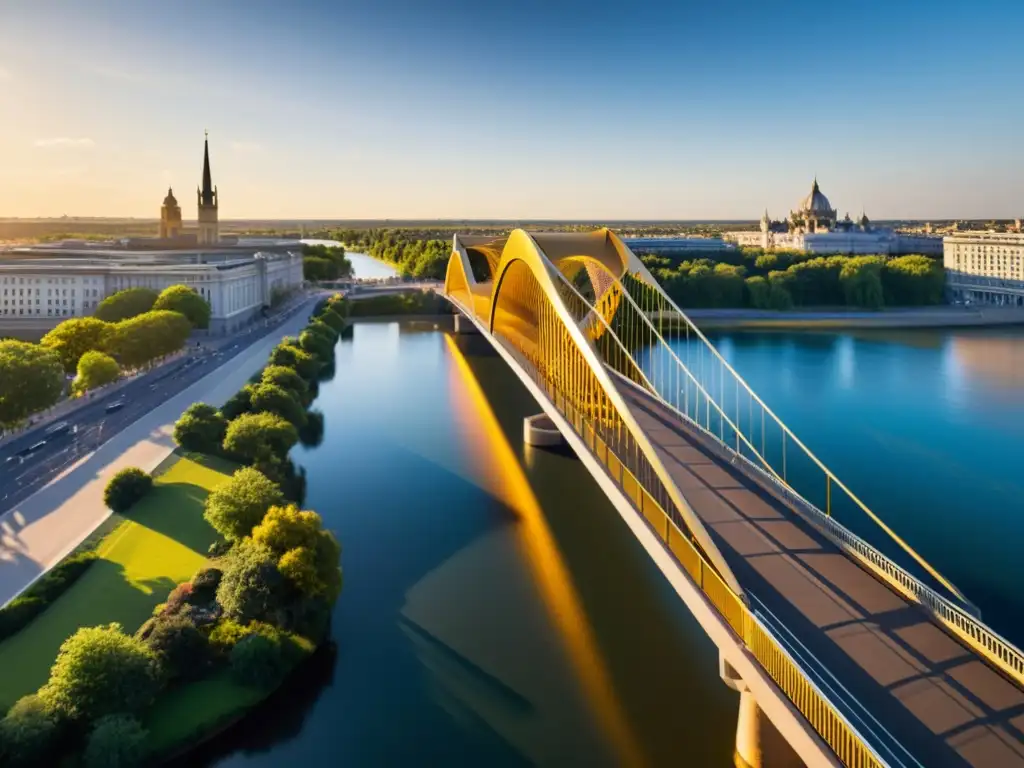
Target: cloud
246,147
64,141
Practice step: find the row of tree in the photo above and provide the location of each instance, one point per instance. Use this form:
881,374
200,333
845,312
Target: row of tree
325,262
131,329
262,604
408,250
870,282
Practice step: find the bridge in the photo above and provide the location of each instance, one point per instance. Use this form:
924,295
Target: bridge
842,654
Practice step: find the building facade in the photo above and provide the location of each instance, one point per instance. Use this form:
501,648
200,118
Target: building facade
207,199
985,267
170,217
42,289
660,245
815,227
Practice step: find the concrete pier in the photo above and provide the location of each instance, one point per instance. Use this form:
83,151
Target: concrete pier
540,431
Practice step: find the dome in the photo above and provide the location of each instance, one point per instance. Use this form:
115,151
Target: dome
170,199
816,202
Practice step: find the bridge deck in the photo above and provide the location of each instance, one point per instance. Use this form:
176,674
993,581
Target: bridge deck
905,679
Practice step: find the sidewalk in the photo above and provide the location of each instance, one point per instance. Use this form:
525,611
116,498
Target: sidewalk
48,525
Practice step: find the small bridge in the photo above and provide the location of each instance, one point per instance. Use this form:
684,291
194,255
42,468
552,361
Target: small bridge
854,657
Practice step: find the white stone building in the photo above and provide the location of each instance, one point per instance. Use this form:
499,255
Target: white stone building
985,267
39,287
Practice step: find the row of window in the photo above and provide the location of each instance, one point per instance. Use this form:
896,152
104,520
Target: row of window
50,280
50,291
29,311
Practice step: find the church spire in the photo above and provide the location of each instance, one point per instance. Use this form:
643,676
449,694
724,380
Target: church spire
206,196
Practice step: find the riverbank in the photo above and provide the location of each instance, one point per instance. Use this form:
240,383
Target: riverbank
910,317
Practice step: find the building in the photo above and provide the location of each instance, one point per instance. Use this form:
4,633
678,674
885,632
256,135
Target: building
985,267
209,230
170,217
815,227
674,245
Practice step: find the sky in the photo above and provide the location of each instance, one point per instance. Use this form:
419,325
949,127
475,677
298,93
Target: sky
558,110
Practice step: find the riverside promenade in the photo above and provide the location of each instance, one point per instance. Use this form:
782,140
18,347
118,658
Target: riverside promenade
49,524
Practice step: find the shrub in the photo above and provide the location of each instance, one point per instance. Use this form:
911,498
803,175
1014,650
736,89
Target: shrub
101,671
277,400
201,428
127,303
289,380
309,554
252,588
255,436
27,733
95,369
178,598
317,345
126,488
183,651
205,583
117,741
331,319
237,404
182,299
263,657
218,548
238,505
226,633
19,612
291,356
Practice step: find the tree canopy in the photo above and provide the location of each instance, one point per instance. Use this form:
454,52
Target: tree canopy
288,379
95,369
127,303
239,505
74,337
181,298
144,338
200,428
260,437
31,379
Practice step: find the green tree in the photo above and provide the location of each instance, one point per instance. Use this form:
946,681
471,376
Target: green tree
252,588
287,379
291,356
126,488
271,398
117,741
779,296
201,428
758,292
298,538
862,282
74,337
184,300
238,403
142,339
332,318
95,369
238,505
183,650
31,379
260,436
317,344
101,671
913,280
315,268
27,733
127,303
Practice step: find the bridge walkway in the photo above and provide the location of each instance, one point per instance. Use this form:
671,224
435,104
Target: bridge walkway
898,675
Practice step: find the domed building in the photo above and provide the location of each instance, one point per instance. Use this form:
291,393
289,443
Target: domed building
170,216
815,227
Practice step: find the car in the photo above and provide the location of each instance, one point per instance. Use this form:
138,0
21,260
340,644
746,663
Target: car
117,405
36,446
60,428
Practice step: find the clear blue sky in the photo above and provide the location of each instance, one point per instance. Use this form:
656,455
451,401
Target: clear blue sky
375,108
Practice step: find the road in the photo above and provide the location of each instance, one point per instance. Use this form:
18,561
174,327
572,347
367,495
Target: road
20,476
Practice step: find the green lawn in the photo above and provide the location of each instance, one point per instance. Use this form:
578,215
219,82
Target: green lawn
162,543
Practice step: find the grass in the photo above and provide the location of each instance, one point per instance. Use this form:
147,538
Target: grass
191,711
163,542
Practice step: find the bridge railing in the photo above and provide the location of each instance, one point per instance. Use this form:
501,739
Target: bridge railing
626,471
675,385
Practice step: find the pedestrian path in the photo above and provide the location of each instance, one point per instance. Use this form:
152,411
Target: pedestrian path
46,526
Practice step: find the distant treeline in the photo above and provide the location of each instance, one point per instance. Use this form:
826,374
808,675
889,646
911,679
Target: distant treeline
781,280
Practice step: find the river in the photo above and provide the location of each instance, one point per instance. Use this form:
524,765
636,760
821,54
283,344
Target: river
496,609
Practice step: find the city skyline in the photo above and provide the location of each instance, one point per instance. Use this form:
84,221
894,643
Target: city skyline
574,112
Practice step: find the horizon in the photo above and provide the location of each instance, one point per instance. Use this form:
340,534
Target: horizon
368,112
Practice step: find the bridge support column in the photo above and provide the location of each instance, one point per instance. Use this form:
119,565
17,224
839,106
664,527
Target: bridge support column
464,325
758,742
540,431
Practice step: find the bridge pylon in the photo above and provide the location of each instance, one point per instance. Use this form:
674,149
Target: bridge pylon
758,742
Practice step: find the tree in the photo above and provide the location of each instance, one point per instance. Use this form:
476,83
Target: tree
913,280
238,403
287,379
126,488
101,671
31,379
862,282
757,292
142,339
27,733
183,651
271,398
117,741
331,317
182,299
201,428
315,268
259,436
127,303
238,505
317,345
252,589
294,357
95,369
73,338
779,297
298,538
259,661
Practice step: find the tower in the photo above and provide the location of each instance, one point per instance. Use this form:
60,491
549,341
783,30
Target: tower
209,230
170,216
